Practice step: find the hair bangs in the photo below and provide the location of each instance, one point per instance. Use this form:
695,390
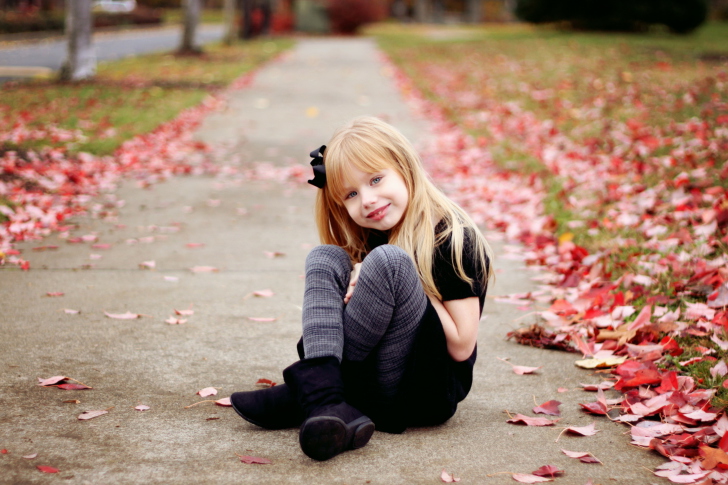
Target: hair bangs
352,152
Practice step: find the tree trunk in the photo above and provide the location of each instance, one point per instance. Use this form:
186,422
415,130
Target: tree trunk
438,12
229,20
474,11
267,11
246,27
192,19
81,60
422,10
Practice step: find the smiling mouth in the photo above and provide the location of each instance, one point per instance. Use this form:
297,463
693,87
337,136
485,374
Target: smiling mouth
378,214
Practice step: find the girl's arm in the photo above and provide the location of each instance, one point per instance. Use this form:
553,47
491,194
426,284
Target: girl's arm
460,319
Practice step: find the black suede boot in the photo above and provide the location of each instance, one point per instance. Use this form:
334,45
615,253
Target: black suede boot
331,425
271,408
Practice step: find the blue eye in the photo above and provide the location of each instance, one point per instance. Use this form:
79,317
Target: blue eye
350,194
376,180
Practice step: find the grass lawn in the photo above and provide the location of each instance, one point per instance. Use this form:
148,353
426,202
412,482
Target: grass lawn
128,97
653,105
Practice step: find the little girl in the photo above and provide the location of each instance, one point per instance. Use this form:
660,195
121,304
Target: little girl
392,300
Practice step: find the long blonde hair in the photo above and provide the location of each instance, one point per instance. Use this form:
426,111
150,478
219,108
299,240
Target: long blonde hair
371,145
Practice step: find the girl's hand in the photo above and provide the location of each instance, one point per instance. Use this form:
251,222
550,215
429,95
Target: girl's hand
352,282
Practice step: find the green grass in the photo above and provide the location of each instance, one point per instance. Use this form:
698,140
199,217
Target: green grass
128,97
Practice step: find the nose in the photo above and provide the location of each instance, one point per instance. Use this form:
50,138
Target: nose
368,198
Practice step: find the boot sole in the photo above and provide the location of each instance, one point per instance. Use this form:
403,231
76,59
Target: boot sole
324,437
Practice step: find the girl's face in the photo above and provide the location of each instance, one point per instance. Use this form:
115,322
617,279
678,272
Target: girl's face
375,200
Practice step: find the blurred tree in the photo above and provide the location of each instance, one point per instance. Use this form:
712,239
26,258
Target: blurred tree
81,60
474,11
189,29
257,15
681,16
229,21
246,26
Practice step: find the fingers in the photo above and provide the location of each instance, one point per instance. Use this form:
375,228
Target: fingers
349,292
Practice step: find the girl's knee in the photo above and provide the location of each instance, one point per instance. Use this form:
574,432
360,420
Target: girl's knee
328,255
390,255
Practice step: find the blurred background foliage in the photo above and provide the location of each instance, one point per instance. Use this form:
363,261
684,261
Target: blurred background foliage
348,16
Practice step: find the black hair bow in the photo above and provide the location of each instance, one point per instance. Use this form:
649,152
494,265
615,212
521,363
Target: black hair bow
319,171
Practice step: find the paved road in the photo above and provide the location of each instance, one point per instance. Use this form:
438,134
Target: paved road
147,361
109,46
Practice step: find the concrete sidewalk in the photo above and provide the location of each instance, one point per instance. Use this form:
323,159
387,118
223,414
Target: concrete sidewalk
293,106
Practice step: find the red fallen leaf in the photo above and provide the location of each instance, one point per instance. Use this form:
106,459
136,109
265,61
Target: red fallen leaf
254,460
549,407
587,430
447,478
671,346
142,407
526,478
548,471
186,313
635,374
594,407
208,391
563,308
225,402
55,293
669,383
642,319
520,369
520,418
4,451
587,349
51,380
583,456
101,246
47,469
723,443
719,298
264,293
31,456
175,321
265,383
72,387
262,319
25,265
71,312
562,389
604,385
195,245
57,381
123,316
599,406
92,414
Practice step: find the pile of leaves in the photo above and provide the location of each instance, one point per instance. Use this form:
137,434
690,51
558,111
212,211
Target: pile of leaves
613,178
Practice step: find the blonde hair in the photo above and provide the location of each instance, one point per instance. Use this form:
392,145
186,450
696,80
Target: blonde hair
371,145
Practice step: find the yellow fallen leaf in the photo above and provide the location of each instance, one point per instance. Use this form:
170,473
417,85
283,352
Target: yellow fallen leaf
565,237
600,363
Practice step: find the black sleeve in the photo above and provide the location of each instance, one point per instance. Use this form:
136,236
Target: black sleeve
447,281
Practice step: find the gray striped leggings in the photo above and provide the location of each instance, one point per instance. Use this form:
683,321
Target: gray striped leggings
380,319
